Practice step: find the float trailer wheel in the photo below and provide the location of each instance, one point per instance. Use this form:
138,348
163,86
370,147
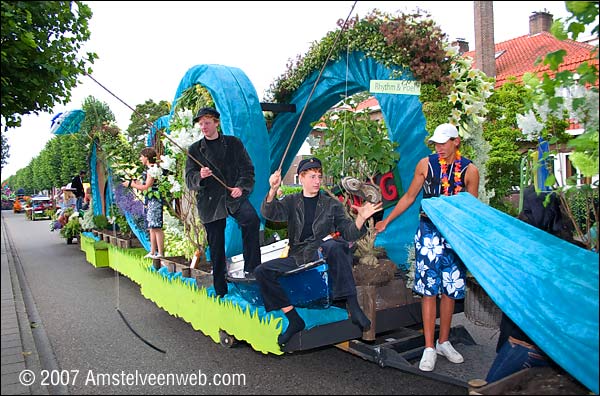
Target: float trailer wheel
227,340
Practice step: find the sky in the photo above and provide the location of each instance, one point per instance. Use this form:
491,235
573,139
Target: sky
146,47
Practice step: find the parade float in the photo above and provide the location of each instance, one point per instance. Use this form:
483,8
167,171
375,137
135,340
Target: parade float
406,65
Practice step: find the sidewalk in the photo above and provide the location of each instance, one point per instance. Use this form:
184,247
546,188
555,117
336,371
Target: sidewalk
18,346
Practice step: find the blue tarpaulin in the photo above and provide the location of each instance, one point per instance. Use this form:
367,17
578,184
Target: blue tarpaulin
160,123
547,286
67,122
241,115
403,115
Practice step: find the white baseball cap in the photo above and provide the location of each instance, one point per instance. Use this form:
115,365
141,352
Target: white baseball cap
443,133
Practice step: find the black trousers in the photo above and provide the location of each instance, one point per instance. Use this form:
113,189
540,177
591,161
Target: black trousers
249,222
338,256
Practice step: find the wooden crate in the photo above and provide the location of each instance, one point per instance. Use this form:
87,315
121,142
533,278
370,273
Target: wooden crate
393,295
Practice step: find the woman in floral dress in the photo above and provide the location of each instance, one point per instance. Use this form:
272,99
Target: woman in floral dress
153,204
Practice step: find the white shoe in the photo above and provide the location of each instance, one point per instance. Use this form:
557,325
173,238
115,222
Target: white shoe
149,255
428,360
158,255
446,349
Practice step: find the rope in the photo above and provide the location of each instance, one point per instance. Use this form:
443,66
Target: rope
345,112
315,85
121,313
165,135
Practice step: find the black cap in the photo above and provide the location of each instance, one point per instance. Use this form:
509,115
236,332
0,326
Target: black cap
206,111
309,163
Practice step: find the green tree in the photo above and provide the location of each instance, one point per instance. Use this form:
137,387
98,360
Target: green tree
580,103
145,113
40,55
5,148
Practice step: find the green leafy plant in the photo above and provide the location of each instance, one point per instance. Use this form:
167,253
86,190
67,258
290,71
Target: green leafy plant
72,229
101,222
120,220
354,145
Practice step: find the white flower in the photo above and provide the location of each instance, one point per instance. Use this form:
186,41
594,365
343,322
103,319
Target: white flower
155,172
167,162
529,125
175,185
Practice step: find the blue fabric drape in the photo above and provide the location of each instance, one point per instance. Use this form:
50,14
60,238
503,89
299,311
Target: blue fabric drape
547,286
96,201
160,123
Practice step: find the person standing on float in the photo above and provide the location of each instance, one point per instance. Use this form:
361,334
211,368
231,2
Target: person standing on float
438,270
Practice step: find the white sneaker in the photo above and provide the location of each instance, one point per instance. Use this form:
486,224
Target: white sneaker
446,349
158,255
428,360
149,255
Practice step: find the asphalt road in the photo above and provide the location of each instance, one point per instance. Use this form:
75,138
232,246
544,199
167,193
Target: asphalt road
98,354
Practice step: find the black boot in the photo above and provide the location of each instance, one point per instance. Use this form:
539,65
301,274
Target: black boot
357,315
295,325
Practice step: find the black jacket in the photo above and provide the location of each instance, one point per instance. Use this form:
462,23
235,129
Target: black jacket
77,184
330,217
235,170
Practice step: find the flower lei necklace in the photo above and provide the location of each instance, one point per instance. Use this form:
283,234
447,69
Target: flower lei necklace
456,171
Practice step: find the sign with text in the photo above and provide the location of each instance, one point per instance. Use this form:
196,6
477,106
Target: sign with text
397,87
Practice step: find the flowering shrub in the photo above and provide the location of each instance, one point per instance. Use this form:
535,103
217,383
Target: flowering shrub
187,236
570,96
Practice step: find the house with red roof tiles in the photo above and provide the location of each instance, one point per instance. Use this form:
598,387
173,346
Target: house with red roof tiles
514,58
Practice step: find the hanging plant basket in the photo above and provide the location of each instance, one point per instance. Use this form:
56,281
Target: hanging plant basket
479,307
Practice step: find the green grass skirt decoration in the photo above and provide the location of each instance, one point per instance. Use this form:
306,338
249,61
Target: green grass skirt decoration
197,306
96,252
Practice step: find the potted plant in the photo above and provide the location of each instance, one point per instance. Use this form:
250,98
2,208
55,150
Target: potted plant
71,230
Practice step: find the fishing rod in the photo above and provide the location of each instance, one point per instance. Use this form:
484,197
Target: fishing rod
165,135
315,85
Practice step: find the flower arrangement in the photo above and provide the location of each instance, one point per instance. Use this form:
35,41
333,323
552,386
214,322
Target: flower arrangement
87,220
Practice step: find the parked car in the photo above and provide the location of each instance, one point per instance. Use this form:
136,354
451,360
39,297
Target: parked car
39,205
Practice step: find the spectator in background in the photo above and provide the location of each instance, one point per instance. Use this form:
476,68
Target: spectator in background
77,184
69,200
87,199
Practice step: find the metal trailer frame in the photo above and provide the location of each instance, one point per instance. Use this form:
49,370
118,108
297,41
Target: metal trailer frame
395,338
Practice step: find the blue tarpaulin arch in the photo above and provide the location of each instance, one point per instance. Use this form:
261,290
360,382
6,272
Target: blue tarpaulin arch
403,115
241,116
67,122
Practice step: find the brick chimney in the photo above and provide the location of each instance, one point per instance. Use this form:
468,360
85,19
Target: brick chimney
462,44
540,21
484,37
